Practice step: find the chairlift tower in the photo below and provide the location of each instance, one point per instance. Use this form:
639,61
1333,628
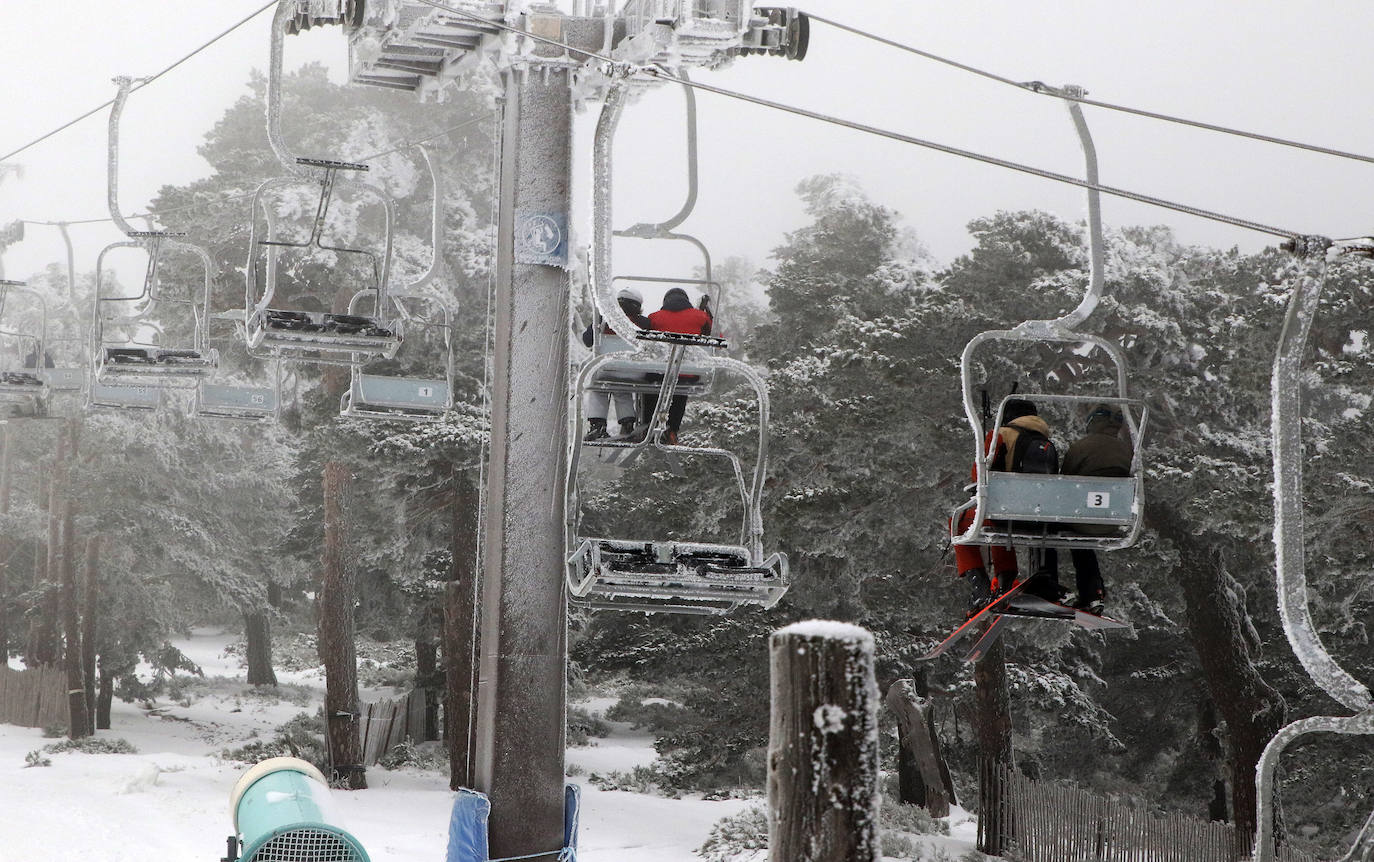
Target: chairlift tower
419,46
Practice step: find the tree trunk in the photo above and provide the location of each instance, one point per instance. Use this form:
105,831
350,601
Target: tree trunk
822,745
79,725
460,633
44,631
427,675
992,723
920,776
341,706
6,546
257,635
90,621
104,698
1252,710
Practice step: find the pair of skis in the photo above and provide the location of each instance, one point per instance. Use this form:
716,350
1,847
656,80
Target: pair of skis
1017,603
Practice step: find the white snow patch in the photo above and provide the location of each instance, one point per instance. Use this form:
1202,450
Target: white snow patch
829,718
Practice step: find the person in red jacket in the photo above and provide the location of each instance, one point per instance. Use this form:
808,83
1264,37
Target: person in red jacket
1019,418
677,315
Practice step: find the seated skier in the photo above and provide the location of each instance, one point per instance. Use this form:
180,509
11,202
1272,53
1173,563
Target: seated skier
1023,446
598,404
1100,452
676,315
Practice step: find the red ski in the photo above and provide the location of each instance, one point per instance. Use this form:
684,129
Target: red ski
993,607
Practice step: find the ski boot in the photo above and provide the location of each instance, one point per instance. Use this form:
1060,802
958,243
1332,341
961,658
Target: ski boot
980,590
627,426
596,431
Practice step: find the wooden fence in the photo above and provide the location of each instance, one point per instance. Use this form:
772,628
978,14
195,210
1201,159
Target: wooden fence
1029,821
33,698
387,723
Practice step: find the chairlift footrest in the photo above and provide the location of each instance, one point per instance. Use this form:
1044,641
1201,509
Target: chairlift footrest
713,341
331,164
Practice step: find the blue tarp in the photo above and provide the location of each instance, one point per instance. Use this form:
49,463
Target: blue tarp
467,828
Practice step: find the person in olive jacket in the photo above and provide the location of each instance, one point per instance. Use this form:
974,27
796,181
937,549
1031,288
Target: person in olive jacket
1100,452
677,315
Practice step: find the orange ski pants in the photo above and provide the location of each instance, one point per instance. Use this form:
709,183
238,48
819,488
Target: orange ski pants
968,557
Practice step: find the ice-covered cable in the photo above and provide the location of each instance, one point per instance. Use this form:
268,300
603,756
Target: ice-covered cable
1286,436
1081,96
663,74
146,81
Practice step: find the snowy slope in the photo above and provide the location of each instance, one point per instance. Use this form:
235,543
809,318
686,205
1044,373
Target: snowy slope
170,801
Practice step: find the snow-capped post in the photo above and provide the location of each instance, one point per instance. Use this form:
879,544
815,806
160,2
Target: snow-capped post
823,745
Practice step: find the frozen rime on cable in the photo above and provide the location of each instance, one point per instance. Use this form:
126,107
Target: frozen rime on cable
1289,566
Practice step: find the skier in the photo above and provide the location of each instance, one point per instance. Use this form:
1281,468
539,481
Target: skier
676,315
598,404
1023,446
1100,452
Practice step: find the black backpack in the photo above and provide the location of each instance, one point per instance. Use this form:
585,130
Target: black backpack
1034,453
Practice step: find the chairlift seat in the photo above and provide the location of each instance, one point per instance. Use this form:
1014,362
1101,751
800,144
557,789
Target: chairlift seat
331,164
124,396
156,366
250,403
354,336
1042,510
64,379
676,577
386,397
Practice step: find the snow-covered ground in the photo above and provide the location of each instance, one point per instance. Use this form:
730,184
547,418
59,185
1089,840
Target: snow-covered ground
170,801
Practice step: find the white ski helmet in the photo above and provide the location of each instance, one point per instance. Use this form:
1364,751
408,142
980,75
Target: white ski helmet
631,294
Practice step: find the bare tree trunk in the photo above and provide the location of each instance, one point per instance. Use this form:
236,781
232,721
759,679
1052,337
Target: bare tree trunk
257,635
341,706
45,646
822,745
921,778
104,698
6,545
90,621
460,633
992,723
427,675
1252,710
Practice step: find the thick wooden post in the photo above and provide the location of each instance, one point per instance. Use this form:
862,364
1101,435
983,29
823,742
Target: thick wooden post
992,716
823,745
336,648
924,781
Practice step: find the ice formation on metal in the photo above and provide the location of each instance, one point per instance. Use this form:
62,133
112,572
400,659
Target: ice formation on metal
1289,563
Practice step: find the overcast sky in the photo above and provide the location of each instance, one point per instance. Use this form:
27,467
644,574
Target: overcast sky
1293,69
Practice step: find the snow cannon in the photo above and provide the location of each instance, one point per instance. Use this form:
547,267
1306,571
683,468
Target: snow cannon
283,813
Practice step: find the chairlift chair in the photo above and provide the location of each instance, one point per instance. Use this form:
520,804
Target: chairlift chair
316,336
1040,510
148,349
663,576
229,398
23,343
411,399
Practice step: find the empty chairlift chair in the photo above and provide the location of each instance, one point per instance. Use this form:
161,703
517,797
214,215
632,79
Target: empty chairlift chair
373,395
23,348
246,396
155,338
312,335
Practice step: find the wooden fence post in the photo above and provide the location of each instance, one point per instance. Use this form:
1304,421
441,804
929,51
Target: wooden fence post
823,745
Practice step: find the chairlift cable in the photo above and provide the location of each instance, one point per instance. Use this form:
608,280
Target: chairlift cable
145,82
1045,90
663,74
241,195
